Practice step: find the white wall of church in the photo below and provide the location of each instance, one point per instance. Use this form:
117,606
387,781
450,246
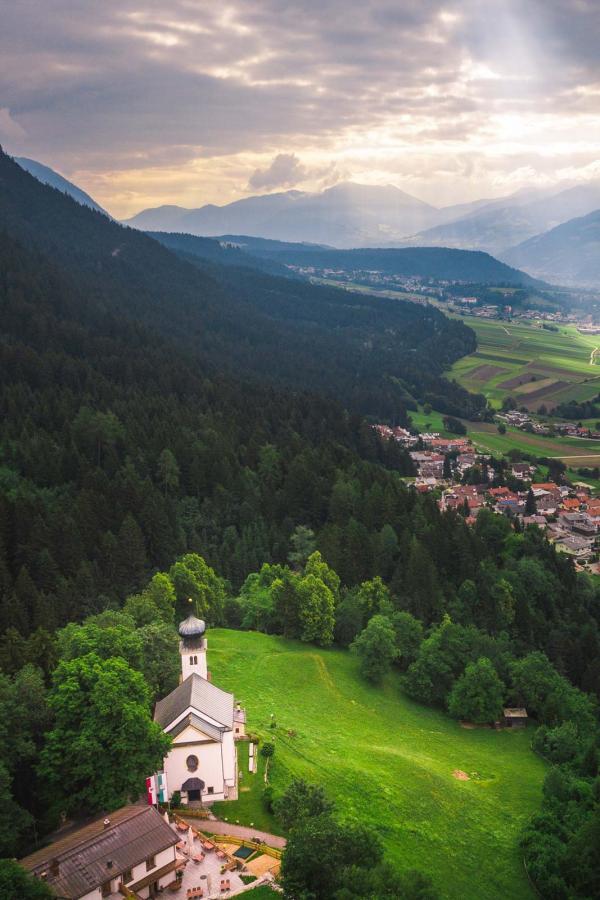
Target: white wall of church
229,758
210,767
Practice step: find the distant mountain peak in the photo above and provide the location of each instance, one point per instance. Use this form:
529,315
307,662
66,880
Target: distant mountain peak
347,214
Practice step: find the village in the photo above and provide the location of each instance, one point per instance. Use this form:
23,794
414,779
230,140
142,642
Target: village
525,422
568,515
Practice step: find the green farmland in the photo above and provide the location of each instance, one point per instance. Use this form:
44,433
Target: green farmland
387,761
576,452
529,363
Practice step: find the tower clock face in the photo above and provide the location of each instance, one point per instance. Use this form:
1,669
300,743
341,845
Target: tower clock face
192,763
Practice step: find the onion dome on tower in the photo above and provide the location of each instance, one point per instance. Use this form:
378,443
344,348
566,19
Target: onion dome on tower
192,647
192,628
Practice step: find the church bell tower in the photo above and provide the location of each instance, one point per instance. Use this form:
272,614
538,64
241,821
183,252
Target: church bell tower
192,647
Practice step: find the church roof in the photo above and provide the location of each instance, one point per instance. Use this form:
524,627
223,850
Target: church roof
200,695
77,864
213,731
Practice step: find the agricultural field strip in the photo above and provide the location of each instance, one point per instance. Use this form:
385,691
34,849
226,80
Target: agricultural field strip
562,355
559,448
532,387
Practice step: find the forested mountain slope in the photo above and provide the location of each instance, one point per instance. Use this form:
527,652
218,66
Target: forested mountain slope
125,437
377,352
48,176
213,250
425,262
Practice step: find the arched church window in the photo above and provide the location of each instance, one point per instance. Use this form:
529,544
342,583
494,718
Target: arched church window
192,763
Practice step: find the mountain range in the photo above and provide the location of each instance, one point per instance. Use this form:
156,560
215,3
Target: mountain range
346,215
568,254
502,224
549,233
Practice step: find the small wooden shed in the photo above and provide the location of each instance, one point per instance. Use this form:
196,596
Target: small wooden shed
515,717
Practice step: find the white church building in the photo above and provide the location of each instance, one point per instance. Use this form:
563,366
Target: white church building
203,722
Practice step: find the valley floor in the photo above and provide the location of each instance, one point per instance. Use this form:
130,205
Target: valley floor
387,761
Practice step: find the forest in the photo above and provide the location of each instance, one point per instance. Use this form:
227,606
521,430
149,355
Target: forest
206,424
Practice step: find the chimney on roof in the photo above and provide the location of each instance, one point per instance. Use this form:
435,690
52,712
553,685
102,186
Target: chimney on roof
109,863
106,823
54,867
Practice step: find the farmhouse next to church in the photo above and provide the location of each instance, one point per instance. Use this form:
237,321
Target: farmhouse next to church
203,722
133,846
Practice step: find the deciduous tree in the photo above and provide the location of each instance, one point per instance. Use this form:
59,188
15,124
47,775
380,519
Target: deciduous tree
103,742
376,648
478,694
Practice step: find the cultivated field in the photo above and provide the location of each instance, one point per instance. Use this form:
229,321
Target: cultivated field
576,452
387,761
529,363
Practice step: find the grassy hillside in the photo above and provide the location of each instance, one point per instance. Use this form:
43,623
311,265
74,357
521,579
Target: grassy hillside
388,761
509,355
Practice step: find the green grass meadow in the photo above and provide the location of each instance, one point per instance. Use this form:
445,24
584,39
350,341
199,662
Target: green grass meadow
558,360
432,421
386,761
248,809
263,892
575,452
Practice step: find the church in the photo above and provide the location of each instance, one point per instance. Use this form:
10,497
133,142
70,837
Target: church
204,722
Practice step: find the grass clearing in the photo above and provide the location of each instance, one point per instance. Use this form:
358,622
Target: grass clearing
432,421
486,436
388,762
248,809
262,892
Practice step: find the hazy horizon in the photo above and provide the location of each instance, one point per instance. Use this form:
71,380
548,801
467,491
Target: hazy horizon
450,102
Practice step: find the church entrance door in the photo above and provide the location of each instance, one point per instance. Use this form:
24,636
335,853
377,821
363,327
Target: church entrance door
193,795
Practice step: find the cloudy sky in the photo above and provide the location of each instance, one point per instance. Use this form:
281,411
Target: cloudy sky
194,101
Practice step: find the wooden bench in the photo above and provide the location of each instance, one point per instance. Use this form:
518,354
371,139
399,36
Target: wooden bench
225,884
195,892
198,857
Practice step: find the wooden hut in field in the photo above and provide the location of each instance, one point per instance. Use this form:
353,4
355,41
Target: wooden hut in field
515,717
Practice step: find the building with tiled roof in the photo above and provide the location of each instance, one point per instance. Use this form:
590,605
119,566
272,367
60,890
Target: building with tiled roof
132,847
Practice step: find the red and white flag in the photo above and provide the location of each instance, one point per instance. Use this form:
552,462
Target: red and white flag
151,790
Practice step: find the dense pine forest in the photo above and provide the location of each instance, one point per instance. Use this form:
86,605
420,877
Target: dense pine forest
121,430
156,407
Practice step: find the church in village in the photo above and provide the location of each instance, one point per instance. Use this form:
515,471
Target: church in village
204,722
